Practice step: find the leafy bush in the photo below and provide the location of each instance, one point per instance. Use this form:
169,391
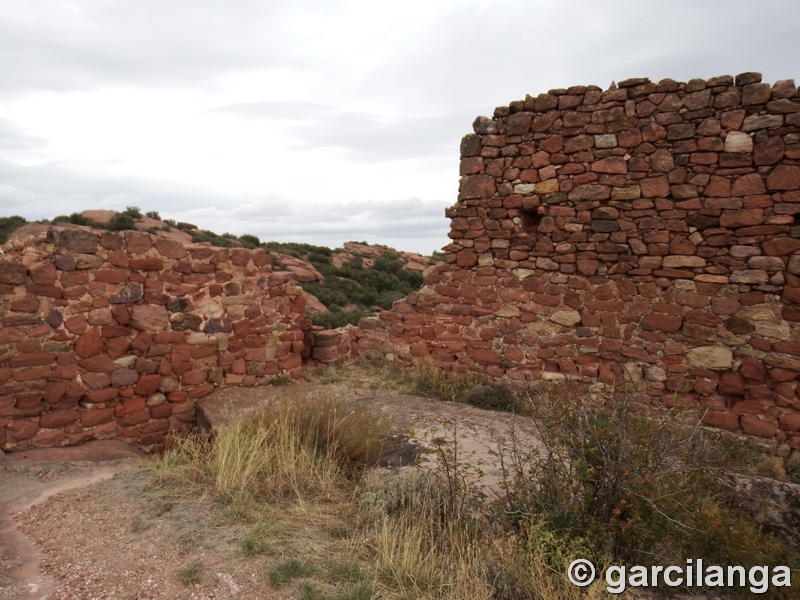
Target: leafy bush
153,214
8,225
133,212
431,380
77,219
249,241
121,222
494,396
629,483
201,235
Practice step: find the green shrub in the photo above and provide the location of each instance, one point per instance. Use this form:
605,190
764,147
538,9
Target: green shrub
133,212
153,214
249,241
256,541
76,219
631,483
8,225
191,574
432,380
284,572
494,396
121,222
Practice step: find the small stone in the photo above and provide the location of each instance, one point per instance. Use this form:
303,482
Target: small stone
542,188
750,276
608,140
218,326
124,377
126,361
484,126
772,330
149,318
185,321
738,142
547,264
65,262
766,263
518,123
632,192
527,188
128,294
715,358
567,318
507,311
679,261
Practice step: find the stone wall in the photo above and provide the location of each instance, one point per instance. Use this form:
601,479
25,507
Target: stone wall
118,334
643,234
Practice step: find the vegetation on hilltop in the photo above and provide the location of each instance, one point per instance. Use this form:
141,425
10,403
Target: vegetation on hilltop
355,289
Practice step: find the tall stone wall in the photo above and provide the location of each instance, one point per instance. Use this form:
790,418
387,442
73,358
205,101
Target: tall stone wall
118,334
645,233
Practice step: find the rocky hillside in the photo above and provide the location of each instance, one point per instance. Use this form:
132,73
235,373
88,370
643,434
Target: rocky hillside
341,285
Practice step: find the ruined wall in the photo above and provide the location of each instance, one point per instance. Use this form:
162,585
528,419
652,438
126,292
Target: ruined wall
643,233
118,334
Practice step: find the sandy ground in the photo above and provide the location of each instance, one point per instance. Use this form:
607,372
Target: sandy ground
87,522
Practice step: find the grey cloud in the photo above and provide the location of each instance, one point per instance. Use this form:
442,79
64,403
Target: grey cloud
363,136
63,46
14,137
497,52
45,191
410,224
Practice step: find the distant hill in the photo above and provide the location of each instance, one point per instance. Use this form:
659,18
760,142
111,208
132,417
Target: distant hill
342,284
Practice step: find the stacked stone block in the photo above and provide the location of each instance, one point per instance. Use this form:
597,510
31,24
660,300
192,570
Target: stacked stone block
644,234
118,334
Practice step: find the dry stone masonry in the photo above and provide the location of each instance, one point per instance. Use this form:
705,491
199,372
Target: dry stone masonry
646,233
118,334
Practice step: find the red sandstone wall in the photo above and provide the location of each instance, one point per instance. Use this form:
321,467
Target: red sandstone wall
643,234
118,334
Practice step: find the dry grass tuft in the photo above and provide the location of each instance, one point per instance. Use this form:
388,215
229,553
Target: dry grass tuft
302,445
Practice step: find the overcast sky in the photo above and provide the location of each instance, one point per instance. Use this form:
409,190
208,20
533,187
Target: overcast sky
319,121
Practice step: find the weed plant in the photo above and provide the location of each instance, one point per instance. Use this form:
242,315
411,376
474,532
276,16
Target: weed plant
624,483
301,445
8,225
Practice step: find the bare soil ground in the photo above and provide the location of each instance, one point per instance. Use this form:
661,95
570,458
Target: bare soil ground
85,523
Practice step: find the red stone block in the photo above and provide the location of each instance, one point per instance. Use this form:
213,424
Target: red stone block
31,359
784,177
200,391
101,396
662,322
722,420
111,275
89,344
32,374
790,421
755,426
781,246
58,419
49,439
741,218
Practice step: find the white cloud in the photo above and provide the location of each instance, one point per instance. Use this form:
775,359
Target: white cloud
314,118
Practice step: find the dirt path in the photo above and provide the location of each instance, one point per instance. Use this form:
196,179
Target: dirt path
70,529
30,478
